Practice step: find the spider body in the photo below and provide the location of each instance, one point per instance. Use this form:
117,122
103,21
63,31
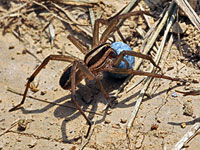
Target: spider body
92,59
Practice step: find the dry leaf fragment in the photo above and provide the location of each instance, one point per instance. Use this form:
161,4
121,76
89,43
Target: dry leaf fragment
33,87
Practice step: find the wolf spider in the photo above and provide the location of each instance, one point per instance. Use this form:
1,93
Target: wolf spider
101,58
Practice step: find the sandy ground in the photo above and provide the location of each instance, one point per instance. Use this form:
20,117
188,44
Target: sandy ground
50,126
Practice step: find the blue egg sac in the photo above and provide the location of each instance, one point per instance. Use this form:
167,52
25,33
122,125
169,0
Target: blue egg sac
119,47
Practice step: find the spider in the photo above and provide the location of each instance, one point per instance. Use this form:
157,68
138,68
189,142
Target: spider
102,57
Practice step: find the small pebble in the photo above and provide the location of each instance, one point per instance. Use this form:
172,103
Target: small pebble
195,81
187,84
109,112
55,90
38,52
107,121
174,94
22,124
19,140
186,88
187,109
116,126
73,148
123,120
181,58
11,47
170,68
24,51
154,127
198,64
32,144
183,125
158,120
43,92
189,100
2,119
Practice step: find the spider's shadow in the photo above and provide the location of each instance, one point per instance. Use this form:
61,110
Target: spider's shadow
122,104
71,114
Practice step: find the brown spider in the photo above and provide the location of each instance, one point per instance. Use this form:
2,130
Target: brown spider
101,58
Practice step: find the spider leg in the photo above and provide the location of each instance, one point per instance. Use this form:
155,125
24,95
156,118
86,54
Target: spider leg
112,23
96,31
141,73
91,76
75,65
109,29
121,36
132,53
44,63
106,95
83,68
78,44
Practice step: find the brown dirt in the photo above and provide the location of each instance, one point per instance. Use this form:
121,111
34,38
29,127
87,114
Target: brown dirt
55,127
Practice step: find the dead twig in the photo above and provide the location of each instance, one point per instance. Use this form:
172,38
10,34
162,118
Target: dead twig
92,18
72,21
157,59
69,16
192,132
123,11
29,52
10,13
146,38
189,11
88,139
154,37
179,36
134,85
164,58
169,45
11,126
194,92
88,3
147,18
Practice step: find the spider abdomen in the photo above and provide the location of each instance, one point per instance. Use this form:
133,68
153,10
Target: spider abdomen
65,79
